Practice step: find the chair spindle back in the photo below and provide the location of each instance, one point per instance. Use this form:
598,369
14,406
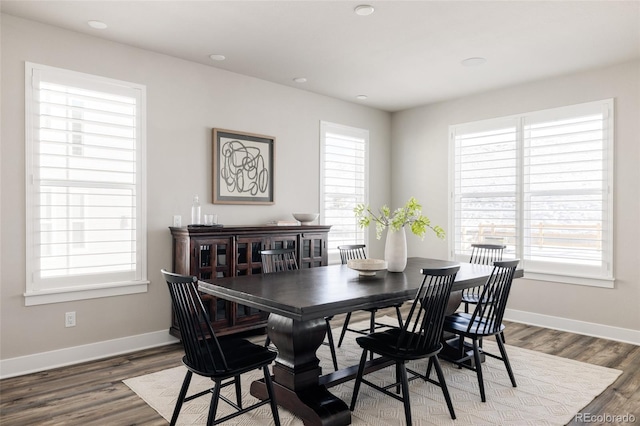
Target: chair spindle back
422,329
201,346
350,252
278,260
489,311
486,254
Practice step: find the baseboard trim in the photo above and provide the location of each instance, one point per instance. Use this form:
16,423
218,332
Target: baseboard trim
68,356
619,334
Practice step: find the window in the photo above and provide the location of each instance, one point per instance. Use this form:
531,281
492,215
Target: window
85,180
343,182
540,183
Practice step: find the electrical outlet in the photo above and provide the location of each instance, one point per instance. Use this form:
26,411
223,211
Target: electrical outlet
70,319
177,220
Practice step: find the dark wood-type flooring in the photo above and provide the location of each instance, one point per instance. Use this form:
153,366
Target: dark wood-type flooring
93,393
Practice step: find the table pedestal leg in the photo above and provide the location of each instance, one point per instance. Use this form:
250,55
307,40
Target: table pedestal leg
455,299
297,371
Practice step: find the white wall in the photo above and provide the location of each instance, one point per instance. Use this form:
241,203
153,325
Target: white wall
185,100
419,168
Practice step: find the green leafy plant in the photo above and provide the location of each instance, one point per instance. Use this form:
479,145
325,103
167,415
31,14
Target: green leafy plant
410,214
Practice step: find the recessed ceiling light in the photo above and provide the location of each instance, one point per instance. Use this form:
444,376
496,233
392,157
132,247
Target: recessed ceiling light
361,97
473,62
98,25
300,80
364,10
216,57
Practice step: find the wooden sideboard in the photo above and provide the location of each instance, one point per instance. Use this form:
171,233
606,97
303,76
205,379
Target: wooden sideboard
209,252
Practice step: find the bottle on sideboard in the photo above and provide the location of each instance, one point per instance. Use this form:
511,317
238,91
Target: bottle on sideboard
195,211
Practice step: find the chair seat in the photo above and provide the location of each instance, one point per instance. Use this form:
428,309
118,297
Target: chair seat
460,322
241,356
385,343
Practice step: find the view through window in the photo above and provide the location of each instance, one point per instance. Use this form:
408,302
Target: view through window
541,184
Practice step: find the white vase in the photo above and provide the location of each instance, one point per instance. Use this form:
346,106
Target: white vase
395,250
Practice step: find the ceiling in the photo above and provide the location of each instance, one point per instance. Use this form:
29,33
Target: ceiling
405,54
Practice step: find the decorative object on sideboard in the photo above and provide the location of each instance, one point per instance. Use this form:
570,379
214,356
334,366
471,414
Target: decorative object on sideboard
395,251
210,219
243,168
283,223
195,211
305,218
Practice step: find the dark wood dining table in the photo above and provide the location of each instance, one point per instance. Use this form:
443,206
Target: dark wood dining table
298,301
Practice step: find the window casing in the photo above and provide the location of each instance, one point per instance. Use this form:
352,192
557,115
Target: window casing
343,183
540,183
85,186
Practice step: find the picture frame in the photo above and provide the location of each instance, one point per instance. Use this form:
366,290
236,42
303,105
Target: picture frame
243,167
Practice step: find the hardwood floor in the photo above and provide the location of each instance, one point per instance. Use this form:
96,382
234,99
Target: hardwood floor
93,392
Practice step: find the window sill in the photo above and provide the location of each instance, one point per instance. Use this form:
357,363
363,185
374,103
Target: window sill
567,279
45,297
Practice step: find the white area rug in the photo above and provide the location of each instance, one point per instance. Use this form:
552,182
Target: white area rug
551,390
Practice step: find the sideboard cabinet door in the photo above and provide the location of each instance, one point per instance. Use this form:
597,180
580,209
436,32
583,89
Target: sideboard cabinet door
212,259
287,241
313,250
248,260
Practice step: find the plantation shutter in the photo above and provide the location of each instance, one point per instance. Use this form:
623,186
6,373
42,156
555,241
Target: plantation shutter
540,183
85,183
485,186
344,158
566,190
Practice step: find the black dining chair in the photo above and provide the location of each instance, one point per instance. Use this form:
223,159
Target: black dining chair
280,260
222,360
482,254
486,320
419,338
357,251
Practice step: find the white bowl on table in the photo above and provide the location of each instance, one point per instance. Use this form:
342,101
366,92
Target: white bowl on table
305,218
367,267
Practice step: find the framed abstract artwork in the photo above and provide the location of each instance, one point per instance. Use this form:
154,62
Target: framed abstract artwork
243,167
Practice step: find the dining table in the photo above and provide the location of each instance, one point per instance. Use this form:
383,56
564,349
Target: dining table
299,301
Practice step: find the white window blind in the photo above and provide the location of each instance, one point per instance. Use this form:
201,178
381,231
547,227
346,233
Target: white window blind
343,181
85,184
540,183
485,186
566,187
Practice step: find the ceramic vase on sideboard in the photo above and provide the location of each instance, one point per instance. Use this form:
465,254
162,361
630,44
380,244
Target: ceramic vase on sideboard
395,250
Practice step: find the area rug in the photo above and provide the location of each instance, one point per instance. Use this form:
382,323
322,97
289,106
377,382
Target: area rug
551,390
